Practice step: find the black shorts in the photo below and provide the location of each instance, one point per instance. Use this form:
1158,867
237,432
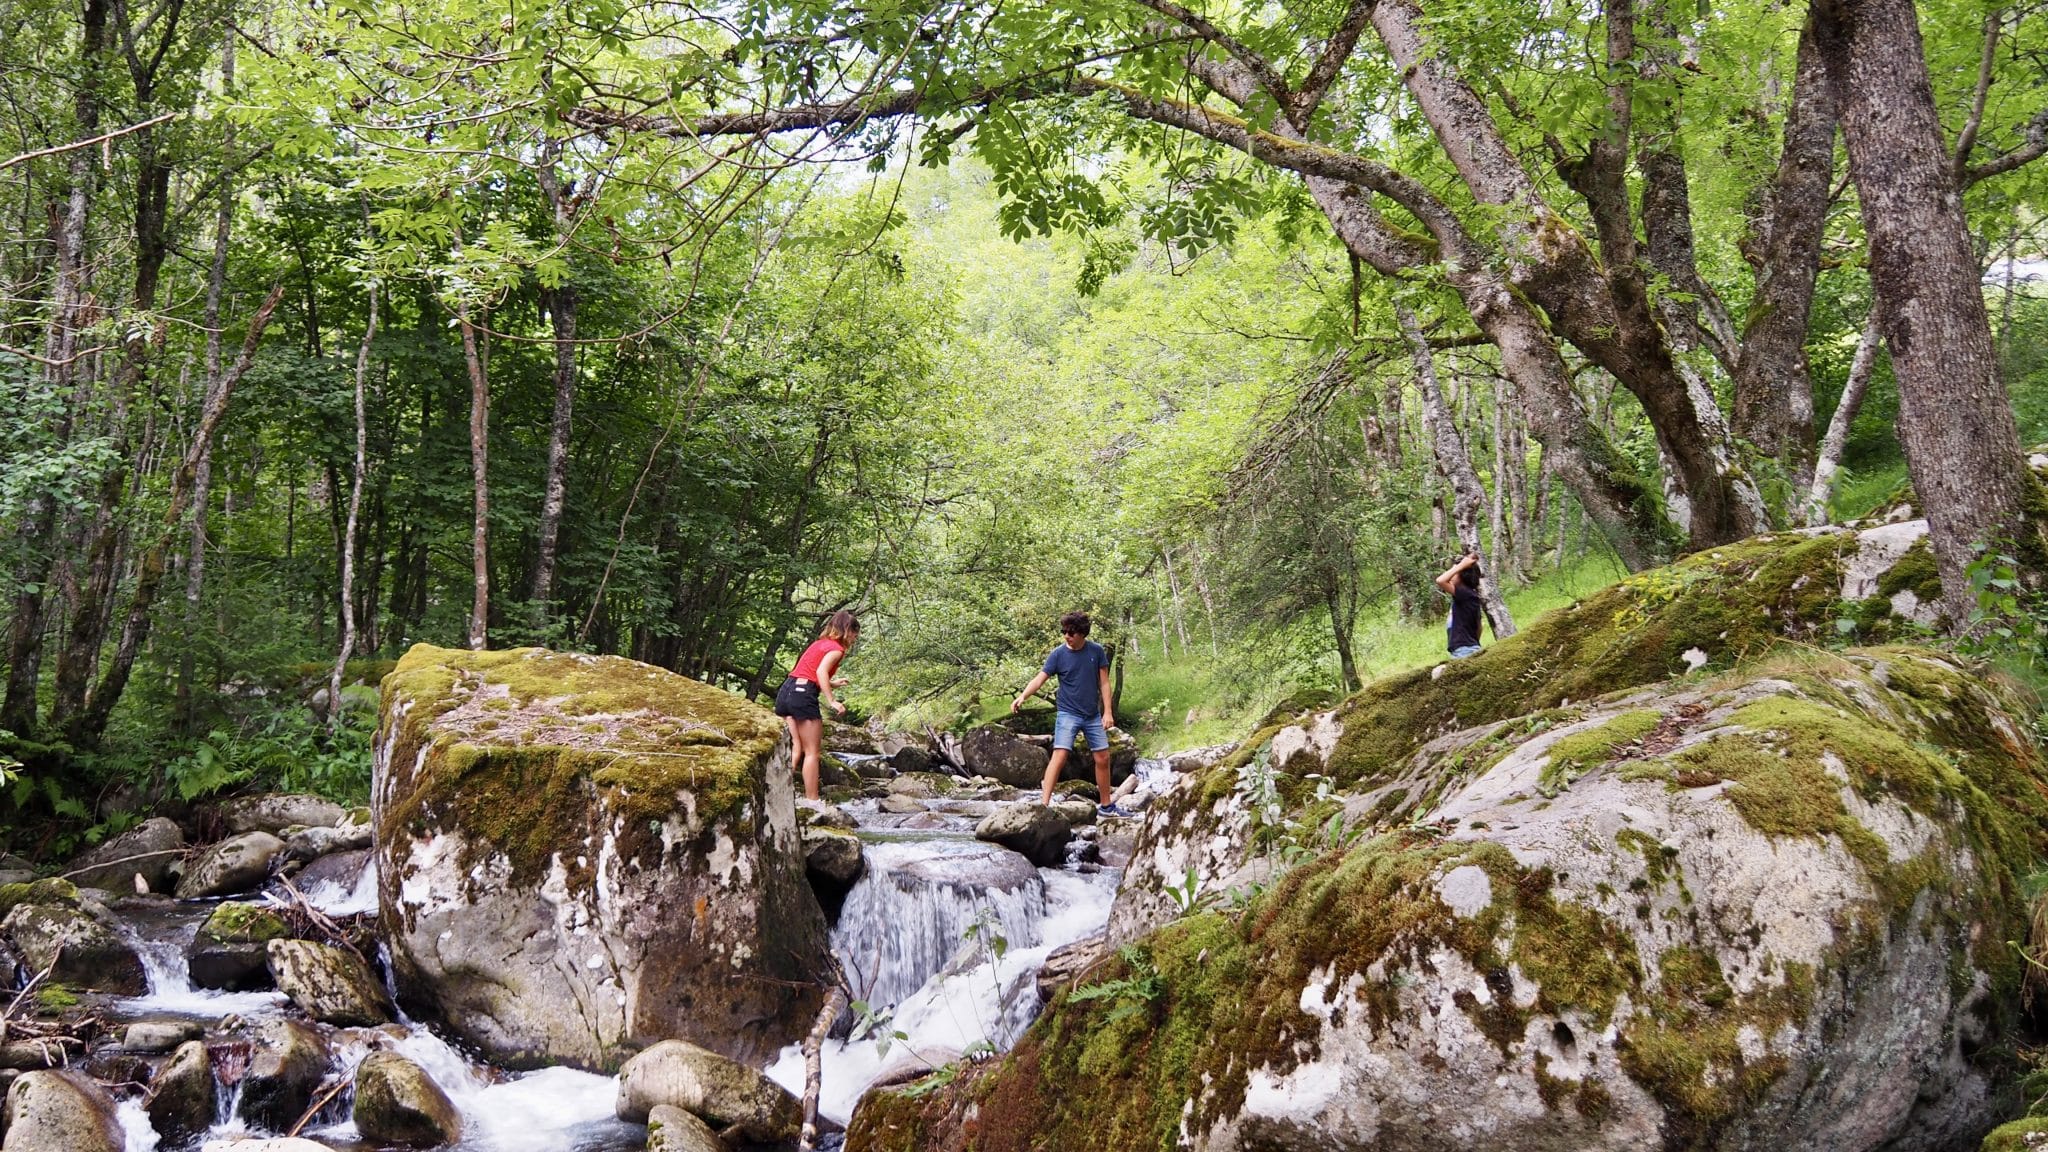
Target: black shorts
798,699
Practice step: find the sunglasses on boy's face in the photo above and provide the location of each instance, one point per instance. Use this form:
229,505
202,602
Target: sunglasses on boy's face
1070,632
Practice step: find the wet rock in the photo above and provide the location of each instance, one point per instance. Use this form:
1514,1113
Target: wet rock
398,1103
911,758
35,1055
180,1101
925,821
997,752
286,1064
76,945
901,805
266,1144
147,850
915,787
1075,812
230,952
60,1111
309,844
340,868
724,1092
237,864
670,1129
152,1036
907,1067
277,812
1196,759
833,855
1033,830
51,891
580,853
818,814
1067,965
839,737
330,984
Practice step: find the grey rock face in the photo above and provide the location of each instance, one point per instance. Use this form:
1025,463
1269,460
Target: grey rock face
912,758
724,1092
398,1103
277,812
1067,965
833,855
152,1036
308,844
286,1065
332,985
77,947
180,1101
148,850
60,1111
237,864
1035,831
343,868
999,753
670,1129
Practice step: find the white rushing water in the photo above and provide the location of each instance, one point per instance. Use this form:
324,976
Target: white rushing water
171,992
334,899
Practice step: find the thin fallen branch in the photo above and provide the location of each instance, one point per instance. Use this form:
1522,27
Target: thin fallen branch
102,138
122,860
814,1061
319,1102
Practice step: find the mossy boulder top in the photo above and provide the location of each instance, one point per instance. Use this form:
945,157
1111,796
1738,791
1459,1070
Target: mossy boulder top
582,855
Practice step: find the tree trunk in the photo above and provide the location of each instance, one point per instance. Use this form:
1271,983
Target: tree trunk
1955,420
91,723
1469,497
348,535
1340,628
1180,626
561,304
479,461
184,719
1861,368
1773,383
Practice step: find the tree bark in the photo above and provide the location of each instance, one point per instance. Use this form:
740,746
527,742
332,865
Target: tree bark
1955,421
348,535
1468,496
479,466
561,303
1773,381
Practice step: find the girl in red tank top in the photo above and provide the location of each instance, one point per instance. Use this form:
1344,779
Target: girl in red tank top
810,683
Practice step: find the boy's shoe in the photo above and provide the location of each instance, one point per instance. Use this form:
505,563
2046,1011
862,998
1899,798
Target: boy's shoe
1107,811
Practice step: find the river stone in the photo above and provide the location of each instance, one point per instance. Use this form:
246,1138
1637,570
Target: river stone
724,1092
1030,828
1065,966
1074,812
398,1103
330,984
276,812
180,1101
148,1037
838,737
901,805
341,868
237,864
911,758
265,1144
818,814
230,952
286,1064
670,1129
76,946
997,752
1197,759
581,855
60,1111
157,841
1760,909
309,844
831,854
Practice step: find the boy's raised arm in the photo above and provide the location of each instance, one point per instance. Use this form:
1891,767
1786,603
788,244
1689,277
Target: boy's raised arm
1037,682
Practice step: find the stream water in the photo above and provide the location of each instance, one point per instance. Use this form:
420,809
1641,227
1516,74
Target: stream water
942,938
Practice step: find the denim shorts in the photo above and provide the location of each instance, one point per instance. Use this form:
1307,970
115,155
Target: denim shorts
1468,650
1065,724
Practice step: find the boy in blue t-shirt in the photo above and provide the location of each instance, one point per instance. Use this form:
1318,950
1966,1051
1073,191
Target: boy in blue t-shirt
1080,705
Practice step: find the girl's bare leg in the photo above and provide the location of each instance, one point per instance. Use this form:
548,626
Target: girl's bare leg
810,733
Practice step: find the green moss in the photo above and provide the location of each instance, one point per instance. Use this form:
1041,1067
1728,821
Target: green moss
1297,703
1728,602
1685,1049
55,999
237,923
1572,756
2028,1134
37,892
660,737
1578,958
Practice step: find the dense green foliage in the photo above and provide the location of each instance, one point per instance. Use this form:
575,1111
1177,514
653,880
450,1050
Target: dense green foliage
1024,352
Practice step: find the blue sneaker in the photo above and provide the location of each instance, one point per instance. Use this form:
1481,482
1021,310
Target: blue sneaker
1113,811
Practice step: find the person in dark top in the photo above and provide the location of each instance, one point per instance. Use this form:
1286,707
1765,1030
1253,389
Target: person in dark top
809,682
1080,706
1461,583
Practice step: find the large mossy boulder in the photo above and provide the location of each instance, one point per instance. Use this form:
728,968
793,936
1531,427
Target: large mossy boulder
724,1092
995,751
241,863
579,856
73,940
1764,905
396,1102
332,985
60,1111
147,850
1701,615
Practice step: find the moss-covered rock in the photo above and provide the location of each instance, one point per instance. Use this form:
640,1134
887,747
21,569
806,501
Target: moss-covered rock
77,945
1774,915
230,950
581,855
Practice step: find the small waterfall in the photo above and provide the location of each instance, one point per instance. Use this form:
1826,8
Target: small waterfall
136,1133
160,937
333,899
907,918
